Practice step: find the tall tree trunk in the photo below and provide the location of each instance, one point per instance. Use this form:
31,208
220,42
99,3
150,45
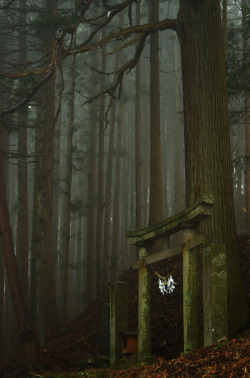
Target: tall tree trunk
26,333
91,223
246,61
69,184
207,136
224,24
56,189
116,216
81,189
60,268
145,136
109,180
22,247
138,141
78,259
109,186
3,292
156,191
48,321
130,252
34,237
11,330
178,167
57,212
100,282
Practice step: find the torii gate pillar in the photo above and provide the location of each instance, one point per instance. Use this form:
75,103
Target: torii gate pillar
144,308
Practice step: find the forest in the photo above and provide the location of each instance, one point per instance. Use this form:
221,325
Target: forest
114,115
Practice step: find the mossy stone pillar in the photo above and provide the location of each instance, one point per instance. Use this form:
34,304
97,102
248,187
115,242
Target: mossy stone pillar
215,301
190,296
144,308
118,317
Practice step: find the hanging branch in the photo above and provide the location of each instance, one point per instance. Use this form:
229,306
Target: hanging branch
59,53
26,64
127,67
125,45
29,97
2,7
99,71
109,15
80,49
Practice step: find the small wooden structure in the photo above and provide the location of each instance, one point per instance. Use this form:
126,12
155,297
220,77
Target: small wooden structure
129,341
214,276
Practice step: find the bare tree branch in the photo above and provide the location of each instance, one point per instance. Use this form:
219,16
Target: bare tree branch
120,73
59,52
80,49
6,5
30,95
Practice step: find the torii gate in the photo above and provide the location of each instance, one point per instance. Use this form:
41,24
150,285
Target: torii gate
214,276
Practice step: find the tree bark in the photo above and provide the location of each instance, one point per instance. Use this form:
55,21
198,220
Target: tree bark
68,179
22,248
156,191
2,297
138,141
101,278
27,335
57,198
246,61
109,186
47,316
207,136
34,237
91,222
178,155
224,25
116,215
3,292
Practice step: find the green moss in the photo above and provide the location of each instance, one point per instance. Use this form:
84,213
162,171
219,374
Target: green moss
219,260
196,212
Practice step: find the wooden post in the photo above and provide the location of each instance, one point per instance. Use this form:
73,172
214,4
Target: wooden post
215,309
190,294
144,308
118,317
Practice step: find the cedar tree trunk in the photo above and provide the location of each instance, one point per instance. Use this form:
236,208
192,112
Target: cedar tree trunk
207,137
27,335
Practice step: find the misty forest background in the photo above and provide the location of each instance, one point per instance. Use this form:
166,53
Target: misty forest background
96,152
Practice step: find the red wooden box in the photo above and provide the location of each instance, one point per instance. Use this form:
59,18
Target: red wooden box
129,342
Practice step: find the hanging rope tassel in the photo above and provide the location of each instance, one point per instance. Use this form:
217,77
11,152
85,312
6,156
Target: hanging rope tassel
166,284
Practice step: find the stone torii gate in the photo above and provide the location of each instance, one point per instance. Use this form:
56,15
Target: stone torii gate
214,276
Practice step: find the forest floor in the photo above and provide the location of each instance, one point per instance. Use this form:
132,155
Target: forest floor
74,352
